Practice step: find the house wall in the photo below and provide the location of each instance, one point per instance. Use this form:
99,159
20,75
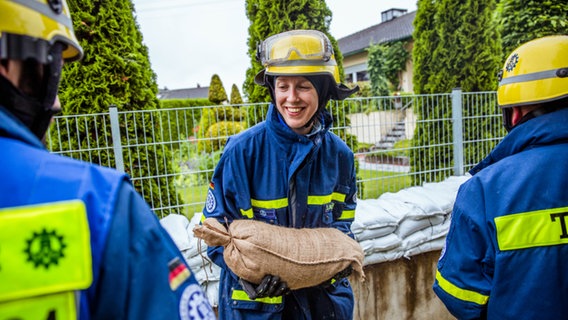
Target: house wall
407,75
358,62
354,64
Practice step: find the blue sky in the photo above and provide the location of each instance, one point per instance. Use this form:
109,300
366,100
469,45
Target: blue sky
190,40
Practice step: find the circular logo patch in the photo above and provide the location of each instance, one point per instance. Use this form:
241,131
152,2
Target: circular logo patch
210,203
194,304
512,63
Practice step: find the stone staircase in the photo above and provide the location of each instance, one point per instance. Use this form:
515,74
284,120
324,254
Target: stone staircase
396,133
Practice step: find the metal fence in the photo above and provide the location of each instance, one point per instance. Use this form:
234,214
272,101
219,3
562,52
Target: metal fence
170,150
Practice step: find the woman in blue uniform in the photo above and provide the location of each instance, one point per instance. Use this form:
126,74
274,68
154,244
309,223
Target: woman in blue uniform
291,171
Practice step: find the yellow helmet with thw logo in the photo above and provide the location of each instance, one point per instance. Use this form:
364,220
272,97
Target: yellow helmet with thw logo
535,72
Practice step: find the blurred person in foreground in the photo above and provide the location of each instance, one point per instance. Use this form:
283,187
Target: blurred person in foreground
506,253
290,171
76,239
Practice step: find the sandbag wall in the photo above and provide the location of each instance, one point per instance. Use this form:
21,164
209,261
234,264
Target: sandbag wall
399,232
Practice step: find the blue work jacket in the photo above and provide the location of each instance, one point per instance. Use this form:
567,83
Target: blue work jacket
272,174
137,271
506,254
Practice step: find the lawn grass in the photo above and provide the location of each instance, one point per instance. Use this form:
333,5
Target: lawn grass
194,197
375,184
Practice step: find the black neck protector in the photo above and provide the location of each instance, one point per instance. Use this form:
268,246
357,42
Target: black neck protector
322,85
34,107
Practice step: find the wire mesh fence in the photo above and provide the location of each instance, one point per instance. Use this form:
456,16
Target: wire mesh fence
170,154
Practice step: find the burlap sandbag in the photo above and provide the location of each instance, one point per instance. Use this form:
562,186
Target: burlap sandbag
300,257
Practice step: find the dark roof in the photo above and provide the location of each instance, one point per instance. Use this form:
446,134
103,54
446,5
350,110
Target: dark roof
396,29
189,93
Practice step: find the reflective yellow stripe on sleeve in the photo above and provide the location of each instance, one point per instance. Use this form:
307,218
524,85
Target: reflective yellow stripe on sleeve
459,293
270,204
247,213
265,204
532,229
347,214
340,197
240,295
321,200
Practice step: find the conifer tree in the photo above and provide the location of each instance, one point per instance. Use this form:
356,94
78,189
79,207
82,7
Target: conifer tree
217,93
465,54
216,123
525,20
115,70
425,40
235,95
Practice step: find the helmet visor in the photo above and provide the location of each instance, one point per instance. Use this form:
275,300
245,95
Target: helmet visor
294,47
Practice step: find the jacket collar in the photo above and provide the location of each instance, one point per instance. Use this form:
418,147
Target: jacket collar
11,127
276,123
547,129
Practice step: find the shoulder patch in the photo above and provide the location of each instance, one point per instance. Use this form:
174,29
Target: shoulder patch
210,203
194,305
178,273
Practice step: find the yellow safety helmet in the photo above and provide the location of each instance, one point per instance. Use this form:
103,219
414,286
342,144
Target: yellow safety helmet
47,20
297,52
535,72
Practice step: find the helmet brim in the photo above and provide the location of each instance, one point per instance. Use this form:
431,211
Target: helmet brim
337,92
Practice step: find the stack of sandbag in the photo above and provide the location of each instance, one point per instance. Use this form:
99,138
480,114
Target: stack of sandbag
409,222
194,251
300,257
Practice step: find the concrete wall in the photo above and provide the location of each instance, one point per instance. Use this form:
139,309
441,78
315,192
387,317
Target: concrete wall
399,290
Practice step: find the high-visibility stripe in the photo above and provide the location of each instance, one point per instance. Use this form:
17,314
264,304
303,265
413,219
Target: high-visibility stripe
340,197
283,203
319,200
459,293
247,213
532,229
240,295
347,214
312,200
270,204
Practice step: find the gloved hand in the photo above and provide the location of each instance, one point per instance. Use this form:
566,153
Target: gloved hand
343,274
270,286
338,276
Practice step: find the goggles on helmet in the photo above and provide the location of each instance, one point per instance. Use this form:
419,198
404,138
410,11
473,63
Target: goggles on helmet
296,47
38,24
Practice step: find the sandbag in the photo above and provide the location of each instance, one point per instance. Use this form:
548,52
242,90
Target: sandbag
300,257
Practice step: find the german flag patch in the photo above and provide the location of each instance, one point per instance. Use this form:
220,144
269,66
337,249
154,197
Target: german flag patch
178,273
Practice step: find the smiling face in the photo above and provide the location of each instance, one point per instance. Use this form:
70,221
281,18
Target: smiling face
297,101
